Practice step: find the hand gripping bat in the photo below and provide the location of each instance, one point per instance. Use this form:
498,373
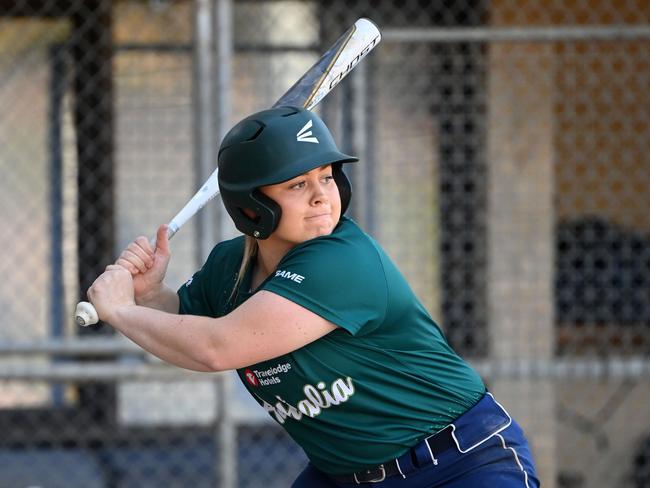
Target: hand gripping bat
307,92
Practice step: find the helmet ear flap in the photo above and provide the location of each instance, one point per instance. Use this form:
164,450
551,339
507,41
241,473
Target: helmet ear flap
270,215
267,213
343,184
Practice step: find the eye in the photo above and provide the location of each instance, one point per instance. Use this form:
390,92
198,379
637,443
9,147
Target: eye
297,185
327,178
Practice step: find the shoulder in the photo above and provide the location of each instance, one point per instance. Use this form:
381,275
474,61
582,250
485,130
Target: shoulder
348,260
339,277
346,243
345,253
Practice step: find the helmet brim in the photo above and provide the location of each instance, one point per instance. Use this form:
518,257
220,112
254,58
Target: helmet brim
304,166
297,168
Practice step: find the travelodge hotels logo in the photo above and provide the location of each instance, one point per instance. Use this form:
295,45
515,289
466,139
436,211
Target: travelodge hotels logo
251,378
266,377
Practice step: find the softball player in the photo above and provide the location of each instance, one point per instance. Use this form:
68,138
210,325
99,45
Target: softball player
321,326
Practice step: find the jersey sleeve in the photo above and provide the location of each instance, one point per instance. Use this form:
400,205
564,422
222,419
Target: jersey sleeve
342,281
208,291
193,295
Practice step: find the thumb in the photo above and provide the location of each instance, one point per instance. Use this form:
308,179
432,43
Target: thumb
162,241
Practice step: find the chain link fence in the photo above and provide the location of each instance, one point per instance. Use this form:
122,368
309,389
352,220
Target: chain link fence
504,166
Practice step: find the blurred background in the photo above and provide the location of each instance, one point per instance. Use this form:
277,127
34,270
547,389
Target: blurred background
505,161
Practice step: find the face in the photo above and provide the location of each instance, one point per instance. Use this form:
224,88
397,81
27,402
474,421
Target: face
311,206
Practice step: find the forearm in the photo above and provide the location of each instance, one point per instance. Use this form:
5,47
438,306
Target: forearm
162,298
182,340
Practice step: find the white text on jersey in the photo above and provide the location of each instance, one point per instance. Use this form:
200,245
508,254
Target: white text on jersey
317,398
289,275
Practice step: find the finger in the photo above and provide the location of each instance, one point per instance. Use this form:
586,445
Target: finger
115,267
144,243
162,240
128,265
142,248
135,259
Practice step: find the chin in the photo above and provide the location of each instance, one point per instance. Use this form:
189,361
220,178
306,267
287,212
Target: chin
324,232
321,230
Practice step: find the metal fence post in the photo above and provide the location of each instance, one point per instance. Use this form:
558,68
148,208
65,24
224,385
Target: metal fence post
222,69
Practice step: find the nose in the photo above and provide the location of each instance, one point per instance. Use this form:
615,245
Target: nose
319,196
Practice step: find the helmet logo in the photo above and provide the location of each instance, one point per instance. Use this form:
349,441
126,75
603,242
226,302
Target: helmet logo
305,135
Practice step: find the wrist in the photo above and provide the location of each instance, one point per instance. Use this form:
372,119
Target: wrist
152,295
120,313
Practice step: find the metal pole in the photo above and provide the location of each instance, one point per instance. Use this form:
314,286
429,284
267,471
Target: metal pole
224,42
632,368
72,346
515,34
223,54
98,372
226,431
204,140
212,48
57,93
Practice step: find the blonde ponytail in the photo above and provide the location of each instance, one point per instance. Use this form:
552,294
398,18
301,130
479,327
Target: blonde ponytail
250,251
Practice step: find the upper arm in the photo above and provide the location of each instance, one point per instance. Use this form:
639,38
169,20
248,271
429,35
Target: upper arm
264,327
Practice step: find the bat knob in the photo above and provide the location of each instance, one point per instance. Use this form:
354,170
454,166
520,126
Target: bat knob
85,314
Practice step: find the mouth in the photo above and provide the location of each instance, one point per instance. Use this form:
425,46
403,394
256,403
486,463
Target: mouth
318,216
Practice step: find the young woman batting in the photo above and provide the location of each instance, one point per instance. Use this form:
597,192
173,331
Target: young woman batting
321,326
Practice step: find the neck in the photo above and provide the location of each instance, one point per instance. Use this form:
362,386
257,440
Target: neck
269,255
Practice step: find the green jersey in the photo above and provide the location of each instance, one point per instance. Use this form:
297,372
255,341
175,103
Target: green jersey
372,388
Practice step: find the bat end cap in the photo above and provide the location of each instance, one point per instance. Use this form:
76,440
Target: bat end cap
85,314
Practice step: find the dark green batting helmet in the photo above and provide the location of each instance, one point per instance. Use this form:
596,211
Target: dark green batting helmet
270,147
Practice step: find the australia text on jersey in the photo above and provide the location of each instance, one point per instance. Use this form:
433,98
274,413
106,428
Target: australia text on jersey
317,398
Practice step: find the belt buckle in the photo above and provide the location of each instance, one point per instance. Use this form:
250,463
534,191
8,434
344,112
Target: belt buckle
379,479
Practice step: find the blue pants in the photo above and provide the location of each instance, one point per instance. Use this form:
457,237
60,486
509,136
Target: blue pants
490,452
